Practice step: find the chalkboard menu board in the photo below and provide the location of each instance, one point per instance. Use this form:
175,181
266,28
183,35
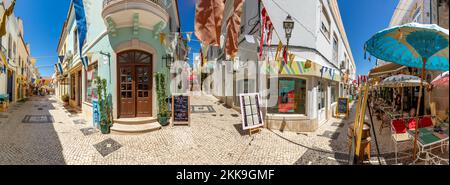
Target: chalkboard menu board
251,111
343,107
181,110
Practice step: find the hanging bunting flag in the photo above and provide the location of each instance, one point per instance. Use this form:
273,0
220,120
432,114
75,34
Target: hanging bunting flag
60,68
263,26
61,59
208,21
269,30
8,12
189,36
285,55
277,54
3,57
322,71
86,61
162,38
80,17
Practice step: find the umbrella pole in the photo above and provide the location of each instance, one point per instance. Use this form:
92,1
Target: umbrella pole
401,110
418,109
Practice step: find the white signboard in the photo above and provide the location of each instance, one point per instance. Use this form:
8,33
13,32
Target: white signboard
252,116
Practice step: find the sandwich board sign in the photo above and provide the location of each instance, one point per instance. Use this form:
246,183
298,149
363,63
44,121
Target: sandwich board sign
252,117
343,107
181,111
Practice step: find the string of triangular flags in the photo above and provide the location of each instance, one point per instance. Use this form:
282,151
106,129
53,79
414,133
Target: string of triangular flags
331,71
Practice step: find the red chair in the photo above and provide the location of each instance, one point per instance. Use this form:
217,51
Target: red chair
399,126
412,123
399,136
426,121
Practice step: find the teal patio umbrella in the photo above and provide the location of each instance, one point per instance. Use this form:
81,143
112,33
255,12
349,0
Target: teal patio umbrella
421,46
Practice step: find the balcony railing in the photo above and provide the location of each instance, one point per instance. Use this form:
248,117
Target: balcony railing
157,2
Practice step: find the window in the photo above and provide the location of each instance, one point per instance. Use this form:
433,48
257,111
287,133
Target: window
9,46
321,95
291,96
325,23
335,49
75,41
91,86
72,86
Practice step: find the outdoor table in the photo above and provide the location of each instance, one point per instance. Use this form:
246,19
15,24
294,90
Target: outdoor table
428,138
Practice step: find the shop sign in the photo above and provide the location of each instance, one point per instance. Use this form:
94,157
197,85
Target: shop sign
181,111
96,114
252,117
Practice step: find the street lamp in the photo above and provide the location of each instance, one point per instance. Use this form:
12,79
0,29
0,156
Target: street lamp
168,59
288,26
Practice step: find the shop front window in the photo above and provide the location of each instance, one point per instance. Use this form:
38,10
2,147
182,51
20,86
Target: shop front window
334,92
321,95
91,86
291,97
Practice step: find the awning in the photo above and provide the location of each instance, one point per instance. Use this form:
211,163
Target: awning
305,68
386,69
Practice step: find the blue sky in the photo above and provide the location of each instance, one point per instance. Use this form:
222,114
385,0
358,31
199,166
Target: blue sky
43,21
362,19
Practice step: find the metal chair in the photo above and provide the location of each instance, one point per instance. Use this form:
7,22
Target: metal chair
400,136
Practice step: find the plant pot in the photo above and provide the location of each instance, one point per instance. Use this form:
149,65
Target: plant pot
163,120
105,129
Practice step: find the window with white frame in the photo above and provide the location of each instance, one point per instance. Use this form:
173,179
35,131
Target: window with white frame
325,23
335,49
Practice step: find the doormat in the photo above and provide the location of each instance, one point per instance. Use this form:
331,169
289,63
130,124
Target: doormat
202,109
37,119
107,147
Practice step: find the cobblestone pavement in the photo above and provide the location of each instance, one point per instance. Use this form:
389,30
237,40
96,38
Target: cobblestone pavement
51,134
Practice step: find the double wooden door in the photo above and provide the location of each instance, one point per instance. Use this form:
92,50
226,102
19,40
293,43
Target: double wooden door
135,84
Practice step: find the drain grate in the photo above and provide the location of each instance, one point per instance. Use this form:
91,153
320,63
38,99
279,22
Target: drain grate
107,147
202,109
37,119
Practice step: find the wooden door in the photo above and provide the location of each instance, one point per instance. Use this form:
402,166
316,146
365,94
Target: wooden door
143,91
127,92
135,84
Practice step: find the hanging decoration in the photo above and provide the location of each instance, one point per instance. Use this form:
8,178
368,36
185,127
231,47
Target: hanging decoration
280,47
189,36
162,38
208,21
263,27
80,16
233,29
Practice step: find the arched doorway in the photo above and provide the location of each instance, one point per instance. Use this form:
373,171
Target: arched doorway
135,79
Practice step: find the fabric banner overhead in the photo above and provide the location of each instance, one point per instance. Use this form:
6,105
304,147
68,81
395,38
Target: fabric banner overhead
233,29
80,16
208,21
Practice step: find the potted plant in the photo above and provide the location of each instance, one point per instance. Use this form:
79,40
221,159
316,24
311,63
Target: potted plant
163,115
65,98
104,102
